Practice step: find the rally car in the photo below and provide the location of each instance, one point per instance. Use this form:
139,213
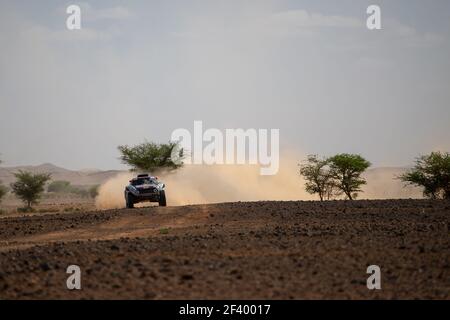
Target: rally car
145,188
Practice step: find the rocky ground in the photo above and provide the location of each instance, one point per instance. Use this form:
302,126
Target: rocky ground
253,250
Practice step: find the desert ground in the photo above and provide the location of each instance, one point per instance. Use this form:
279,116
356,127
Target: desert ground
241,250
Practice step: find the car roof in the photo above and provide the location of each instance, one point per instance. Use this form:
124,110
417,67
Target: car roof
144,176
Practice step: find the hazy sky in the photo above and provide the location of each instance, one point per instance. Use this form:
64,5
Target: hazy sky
140,69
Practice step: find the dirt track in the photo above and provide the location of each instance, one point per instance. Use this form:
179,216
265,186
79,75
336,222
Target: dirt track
260,250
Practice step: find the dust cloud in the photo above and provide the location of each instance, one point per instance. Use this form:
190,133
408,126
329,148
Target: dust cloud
382,183
196,184
111,193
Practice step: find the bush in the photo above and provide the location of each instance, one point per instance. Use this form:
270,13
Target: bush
65,187
79,191
59,186
26,210
29,187
164,230
93,191
48,210
3,192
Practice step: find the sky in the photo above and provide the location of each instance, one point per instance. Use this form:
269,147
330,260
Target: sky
137,70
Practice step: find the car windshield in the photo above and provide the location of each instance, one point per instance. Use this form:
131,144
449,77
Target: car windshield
140,181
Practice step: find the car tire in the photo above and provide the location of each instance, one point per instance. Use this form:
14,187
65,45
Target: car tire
129,201
162,199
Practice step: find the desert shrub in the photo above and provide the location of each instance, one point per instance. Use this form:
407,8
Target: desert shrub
80,191
164,230
25,210
346,170
151,157
66,187
93,191
48,210
432,173
3,191
59,186
29,187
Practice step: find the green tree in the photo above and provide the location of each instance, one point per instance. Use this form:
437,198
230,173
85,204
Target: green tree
346,170
432,173
29,187
152,157
318,177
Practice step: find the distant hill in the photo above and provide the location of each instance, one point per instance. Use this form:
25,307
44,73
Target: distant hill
82,177
381,182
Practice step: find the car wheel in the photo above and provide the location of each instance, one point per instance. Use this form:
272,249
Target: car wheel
162,199
129,201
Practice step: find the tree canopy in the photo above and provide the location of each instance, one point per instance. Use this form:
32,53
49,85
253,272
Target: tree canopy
29,187
152,157
317,175
346,170
432,173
